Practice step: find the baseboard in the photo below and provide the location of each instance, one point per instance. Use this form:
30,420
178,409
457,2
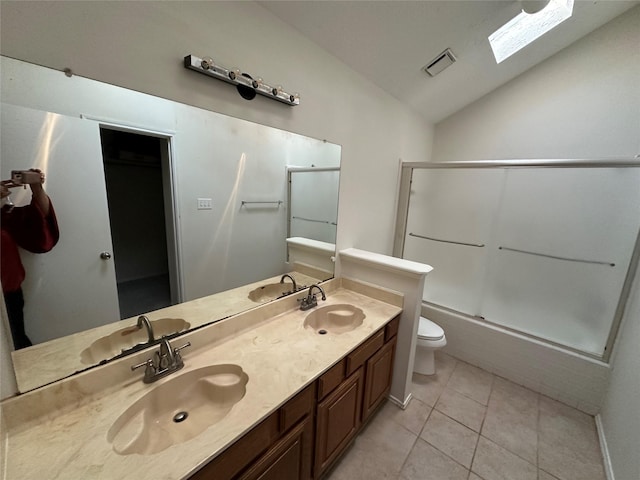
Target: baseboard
401,404
606,459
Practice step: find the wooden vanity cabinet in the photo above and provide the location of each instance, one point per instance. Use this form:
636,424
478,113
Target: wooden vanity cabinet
350,392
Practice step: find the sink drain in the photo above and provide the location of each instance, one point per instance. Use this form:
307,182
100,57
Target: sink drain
322,332
180,417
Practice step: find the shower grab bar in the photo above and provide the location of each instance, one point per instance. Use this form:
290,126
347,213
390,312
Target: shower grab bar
568,259
316,221
478,245
279,202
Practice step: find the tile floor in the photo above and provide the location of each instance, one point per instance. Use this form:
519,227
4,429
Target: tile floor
466,424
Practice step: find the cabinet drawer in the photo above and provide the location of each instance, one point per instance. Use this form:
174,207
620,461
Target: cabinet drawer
242,452
360,355
331,379
391,329
296,408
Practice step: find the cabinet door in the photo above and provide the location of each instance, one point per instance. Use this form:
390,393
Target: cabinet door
379,369
338,421
289,458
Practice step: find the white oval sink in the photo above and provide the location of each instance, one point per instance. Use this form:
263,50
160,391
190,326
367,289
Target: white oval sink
178,409
335,319
270,291
129,337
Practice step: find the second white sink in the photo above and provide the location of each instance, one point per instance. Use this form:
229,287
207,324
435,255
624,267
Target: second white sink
335,319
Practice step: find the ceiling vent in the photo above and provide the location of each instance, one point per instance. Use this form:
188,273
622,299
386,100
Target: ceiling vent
442,61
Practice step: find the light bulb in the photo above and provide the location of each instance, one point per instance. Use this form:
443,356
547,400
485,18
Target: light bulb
257,82
206,63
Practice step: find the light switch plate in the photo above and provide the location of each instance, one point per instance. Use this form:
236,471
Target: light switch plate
204,204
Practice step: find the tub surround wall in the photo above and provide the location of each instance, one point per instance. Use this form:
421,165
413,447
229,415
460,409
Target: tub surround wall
570,378
67,423
619,419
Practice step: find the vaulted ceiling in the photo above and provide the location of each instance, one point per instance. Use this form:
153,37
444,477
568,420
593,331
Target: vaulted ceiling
390,41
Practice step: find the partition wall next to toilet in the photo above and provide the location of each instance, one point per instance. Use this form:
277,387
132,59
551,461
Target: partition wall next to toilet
545,249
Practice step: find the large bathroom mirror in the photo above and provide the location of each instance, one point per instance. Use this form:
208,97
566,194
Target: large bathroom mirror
158,203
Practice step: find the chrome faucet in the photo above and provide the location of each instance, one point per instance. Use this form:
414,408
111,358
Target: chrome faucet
310,300
286,275
143,320
165,361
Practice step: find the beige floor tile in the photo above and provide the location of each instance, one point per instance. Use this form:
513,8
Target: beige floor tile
518,396
357,465
542,475
473,476
412,418
568,445
385,444
427,388
471,381
512,419
463,409
492,462
450,437
427,463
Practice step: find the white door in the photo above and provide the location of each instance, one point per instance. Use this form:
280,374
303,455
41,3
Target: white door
71,288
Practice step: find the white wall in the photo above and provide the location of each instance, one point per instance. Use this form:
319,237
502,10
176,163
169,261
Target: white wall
620,415
584,102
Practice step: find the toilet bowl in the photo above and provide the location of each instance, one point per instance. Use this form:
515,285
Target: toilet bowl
430,338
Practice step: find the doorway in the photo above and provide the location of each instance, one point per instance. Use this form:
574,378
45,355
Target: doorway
139,196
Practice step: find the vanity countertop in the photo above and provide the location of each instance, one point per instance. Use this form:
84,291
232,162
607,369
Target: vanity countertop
60,431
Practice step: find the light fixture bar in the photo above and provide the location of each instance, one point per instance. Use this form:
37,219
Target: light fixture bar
207,66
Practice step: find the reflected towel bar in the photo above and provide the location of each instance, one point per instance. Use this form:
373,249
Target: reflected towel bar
478,245
316,221
594,262
244,202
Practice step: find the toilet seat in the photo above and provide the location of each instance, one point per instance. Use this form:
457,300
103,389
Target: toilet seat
427,330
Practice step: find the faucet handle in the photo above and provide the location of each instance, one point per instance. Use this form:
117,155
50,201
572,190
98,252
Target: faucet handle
177,358
176,351
150,369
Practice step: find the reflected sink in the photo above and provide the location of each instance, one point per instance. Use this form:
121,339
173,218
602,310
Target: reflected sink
178,410
269,291
128,337
334,319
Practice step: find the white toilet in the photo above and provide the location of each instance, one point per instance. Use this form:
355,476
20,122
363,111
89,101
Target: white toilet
430,338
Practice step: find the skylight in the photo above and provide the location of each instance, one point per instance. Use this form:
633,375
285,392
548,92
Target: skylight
526,27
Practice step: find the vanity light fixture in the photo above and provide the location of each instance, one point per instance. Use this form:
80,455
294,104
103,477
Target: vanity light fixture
247,86
526,27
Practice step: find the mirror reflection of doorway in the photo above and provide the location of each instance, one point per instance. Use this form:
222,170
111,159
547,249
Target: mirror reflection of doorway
136,168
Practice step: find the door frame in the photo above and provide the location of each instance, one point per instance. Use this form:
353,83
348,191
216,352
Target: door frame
170,194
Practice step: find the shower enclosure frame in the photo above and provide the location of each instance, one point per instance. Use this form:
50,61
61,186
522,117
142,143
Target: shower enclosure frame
404,192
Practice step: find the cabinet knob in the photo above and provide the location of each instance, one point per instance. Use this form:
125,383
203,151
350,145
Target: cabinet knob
105,255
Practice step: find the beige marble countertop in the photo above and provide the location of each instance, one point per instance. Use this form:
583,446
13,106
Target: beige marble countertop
49,361
60,431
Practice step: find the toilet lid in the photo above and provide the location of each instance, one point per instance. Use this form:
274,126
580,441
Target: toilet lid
427,330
